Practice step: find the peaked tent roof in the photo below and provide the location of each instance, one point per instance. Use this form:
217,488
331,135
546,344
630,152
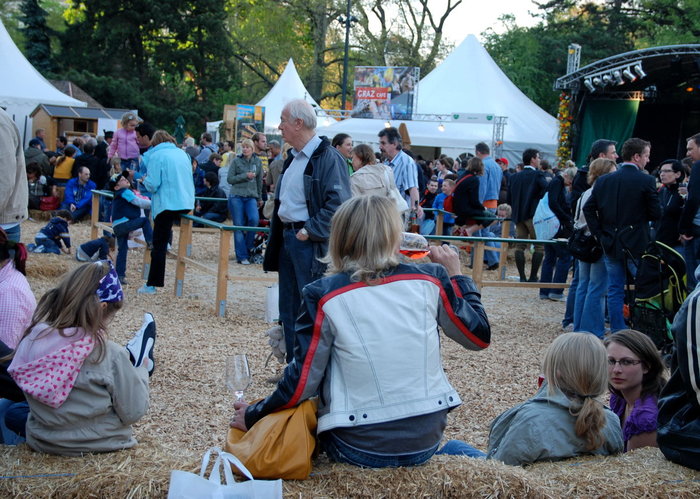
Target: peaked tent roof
288,87
22,84
468,81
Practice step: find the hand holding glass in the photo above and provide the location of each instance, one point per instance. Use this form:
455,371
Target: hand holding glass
237,375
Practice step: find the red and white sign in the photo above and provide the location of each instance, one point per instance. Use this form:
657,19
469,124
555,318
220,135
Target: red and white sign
372,93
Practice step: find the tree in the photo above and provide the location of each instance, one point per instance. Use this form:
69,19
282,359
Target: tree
37,36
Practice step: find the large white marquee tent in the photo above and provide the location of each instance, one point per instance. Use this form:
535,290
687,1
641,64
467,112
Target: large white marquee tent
288,87
22,88
467,82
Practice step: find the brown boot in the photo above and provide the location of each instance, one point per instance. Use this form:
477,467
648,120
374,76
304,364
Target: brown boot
536,262
520,264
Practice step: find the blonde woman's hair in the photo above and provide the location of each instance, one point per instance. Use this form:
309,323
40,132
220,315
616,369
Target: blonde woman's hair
506,208
598,168
74,303
570,172
161,136
249,143
577,365
364,239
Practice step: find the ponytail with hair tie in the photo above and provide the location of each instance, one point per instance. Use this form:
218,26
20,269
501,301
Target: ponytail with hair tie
19,249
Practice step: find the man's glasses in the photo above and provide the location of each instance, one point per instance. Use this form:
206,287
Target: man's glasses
623,362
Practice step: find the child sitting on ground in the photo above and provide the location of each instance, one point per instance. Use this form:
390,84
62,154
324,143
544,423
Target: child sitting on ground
54,236
97,249
82,389
126,217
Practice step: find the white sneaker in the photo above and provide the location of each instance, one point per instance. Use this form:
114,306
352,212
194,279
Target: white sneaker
141,345
245,262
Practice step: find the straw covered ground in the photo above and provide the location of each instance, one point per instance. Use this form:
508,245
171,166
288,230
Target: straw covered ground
190,406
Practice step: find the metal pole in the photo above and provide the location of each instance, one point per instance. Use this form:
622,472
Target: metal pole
345,58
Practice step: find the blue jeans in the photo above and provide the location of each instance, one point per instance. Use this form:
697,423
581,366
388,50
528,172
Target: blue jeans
589,313
79,212
14,233
121,233
13,419
50,245
296,258
691,251
617,278
244,211
129,164
491,257
459,448
99,245
215,217
571,298
340,452
557,261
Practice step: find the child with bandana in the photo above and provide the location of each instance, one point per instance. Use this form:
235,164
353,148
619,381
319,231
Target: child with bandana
83,390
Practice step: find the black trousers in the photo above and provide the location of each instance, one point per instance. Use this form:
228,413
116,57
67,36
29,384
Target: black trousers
162,225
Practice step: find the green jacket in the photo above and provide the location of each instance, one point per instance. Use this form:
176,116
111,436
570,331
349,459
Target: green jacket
241,185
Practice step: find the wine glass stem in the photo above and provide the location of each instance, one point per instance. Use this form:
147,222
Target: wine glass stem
239,396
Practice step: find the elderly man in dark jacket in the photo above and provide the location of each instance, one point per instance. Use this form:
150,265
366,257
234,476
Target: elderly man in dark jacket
314,182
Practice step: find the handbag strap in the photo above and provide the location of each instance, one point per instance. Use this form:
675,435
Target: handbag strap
222,457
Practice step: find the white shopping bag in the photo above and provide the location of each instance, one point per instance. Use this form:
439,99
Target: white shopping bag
272,311
185,485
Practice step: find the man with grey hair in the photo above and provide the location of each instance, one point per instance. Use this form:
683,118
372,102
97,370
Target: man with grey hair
275,150
405,169
314,182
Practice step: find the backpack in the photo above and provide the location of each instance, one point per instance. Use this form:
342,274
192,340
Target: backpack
660,290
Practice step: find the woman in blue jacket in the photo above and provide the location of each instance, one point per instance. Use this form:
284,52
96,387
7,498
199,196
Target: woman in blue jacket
169,180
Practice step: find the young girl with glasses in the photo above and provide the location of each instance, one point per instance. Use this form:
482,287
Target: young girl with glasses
636,378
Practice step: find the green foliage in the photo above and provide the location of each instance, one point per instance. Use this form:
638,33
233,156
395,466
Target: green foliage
37,35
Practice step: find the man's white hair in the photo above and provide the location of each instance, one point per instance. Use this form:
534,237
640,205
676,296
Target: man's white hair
299,109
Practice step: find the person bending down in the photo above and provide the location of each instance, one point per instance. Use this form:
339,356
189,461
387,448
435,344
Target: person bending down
384,396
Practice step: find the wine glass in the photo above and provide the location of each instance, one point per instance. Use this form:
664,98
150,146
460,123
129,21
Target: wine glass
237,375
413,245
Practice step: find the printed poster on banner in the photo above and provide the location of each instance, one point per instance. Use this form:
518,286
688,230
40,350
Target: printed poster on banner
249,119
385,92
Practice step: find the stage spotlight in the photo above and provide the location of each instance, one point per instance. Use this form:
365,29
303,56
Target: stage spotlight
589,84
629,75
638,69
441,127
597,81
618,77
607,79
689,89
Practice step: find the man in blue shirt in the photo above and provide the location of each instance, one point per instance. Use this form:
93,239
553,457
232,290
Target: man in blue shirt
78,195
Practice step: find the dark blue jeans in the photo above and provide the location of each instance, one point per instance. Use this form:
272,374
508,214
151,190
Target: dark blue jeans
340,452
557,261
162,226
79,212
99,246
571,298
296,258
691,254
49,245
121,233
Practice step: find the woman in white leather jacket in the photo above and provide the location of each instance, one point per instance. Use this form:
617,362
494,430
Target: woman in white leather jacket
367,343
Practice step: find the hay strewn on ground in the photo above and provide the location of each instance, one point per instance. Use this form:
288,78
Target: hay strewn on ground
190,406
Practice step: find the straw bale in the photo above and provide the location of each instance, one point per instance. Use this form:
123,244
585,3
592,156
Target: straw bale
190,407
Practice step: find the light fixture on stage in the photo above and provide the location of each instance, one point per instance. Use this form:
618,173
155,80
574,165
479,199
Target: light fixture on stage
387,124
607,79
441,127
618,77
589,84
597,81
629,75
638,69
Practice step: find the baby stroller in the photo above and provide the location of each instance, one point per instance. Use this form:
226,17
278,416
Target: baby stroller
660,290
256,254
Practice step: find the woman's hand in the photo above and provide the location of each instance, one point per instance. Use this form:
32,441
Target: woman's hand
447,257
238,419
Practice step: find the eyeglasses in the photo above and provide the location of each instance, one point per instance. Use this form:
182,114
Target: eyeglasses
665,171
623,362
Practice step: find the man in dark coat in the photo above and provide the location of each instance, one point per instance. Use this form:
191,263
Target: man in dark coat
618,214
601,148
526,189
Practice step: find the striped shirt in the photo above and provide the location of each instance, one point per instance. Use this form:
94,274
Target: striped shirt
405,173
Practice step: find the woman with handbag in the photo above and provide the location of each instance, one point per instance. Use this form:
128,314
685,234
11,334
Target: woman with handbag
383,394
589,312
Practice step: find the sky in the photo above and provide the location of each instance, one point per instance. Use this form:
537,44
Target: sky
475,16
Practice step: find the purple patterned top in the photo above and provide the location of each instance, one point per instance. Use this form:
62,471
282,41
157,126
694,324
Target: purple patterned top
642,419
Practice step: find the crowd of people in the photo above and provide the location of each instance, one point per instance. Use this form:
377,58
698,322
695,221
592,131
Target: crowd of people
337,213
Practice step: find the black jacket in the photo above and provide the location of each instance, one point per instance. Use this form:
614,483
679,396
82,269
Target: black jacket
620,208
524,192
678,433
465,200
579,185
672,207
219,207
327,186
692,203
557,203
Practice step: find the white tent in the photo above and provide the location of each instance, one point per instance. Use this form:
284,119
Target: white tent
22,88
467,82
288,87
